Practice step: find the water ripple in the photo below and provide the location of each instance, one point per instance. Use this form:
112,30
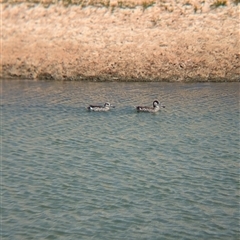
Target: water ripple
72,174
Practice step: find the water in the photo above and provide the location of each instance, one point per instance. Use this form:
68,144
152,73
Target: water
67,173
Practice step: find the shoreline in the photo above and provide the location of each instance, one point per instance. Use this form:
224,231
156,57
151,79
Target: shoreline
170,79
127,44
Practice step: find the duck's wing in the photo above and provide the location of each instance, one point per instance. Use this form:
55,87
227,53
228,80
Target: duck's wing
142,108
95,106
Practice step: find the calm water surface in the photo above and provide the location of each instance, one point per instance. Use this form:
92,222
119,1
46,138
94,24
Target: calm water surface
67,173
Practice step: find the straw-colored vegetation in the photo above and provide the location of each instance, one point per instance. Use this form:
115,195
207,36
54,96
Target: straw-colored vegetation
196,5
219,3
127,40
85,3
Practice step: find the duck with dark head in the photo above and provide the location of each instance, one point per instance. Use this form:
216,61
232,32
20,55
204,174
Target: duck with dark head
97,108
155,108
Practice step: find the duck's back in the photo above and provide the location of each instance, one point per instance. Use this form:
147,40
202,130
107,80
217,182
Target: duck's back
147,109
97,108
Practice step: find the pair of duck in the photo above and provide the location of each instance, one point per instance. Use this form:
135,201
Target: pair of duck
155,108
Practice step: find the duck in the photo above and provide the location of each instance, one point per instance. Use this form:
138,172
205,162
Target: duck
97,108
155,108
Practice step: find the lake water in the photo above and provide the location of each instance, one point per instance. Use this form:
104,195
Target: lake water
67,173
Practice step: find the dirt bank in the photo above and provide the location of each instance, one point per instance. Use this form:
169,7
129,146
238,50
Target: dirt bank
173,42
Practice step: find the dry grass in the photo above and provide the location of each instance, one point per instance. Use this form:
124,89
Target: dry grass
121,39
195,5
85,3
219,3
75,43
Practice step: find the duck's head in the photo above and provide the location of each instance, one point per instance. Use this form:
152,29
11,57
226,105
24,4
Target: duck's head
107,104
156,103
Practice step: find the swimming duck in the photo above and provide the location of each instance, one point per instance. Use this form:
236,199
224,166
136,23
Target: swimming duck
103,108
155,108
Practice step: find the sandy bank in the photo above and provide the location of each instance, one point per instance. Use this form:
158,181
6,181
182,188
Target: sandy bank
177,43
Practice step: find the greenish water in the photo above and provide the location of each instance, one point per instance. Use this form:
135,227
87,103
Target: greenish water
67,173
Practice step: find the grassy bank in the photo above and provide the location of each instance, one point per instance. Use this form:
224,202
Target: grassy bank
165,5
103,40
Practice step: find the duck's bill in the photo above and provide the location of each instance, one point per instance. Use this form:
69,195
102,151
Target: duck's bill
163,106
112,106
